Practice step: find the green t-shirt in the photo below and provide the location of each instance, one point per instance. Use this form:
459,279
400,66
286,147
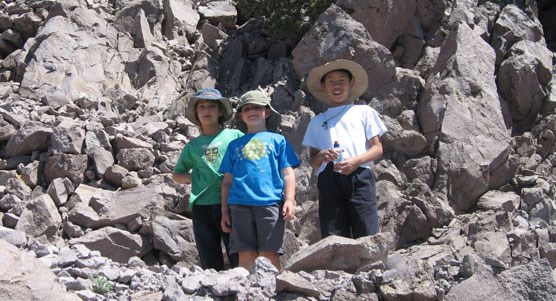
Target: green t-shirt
201,157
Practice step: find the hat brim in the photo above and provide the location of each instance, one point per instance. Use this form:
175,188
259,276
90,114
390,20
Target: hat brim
272,122
359,77
190,111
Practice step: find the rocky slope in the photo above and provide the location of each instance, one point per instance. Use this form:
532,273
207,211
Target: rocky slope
92,94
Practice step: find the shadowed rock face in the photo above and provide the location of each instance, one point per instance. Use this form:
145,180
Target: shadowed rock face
547,9
92,101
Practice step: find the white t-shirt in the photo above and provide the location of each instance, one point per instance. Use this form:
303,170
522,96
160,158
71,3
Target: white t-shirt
351,125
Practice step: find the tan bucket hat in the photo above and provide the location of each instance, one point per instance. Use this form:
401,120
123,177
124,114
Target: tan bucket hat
208,94
359,75
260,98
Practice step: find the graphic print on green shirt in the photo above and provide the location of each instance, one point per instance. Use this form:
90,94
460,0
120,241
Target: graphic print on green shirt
211,154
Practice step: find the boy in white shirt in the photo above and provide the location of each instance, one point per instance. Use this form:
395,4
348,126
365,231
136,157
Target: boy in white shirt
347,189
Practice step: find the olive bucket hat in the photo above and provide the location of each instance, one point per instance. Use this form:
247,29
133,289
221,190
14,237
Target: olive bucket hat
359,76
208,94
257,97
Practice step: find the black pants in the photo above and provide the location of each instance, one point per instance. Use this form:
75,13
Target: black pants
347,203
209,236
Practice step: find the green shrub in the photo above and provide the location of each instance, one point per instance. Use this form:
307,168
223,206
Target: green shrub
101,285
284,18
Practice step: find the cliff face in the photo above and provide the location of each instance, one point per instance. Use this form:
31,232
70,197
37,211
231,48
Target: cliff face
92,99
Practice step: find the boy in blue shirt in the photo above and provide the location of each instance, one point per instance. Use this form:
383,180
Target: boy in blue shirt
258,189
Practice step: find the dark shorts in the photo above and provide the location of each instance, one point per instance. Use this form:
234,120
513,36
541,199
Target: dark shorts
347,203
257,228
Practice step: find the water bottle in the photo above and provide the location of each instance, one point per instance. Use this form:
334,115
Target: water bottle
339,151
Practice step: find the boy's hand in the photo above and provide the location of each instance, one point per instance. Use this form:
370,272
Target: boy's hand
225,222
328,155
346,167
288,211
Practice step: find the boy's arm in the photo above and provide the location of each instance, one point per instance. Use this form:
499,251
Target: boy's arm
288,212
374,152
182,178
225,222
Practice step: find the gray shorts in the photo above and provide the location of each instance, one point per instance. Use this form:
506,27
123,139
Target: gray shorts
257,228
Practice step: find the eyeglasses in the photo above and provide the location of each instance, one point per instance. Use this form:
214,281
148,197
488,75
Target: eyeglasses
254,108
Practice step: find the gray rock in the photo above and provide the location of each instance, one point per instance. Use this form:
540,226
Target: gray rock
30,174
499,200
67,140
97,138
316,48
6,130
527,67
66,166
533,281
180,15
513,25
40,218
14,237
59,190
228,283
31,136
219,12
114,174
494,248
36,281
135,159
456,116
385,21
178,247
113,243
404,140
142,31
340,253
292,282
192,283
212,35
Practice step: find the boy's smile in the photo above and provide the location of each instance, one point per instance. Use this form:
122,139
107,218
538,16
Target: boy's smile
254,115
337,85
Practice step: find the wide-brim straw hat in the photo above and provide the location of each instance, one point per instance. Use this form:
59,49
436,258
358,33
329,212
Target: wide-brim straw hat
359,76
260,98
208,94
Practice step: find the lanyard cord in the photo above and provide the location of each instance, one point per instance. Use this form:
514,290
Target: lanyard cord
325,123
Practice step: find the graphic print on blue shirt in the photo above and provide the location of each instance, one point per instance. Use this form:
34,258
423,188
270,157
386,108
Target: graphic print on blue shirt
254,151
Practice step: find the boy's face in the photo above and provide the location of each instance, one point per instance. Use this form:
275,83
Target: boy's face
208,111
254,115
337,85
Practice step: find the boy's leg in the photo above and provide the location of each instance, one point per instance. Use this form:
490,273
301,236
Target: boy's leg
363,203
274,258
246,259
334,216
207,237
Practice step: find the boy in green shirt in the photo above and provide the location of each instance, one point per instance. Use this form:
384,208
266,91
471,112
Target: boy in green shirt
198,165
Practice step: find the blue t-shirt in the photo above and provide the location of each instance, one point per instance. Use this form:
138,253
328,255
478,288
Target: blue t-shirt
255,162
